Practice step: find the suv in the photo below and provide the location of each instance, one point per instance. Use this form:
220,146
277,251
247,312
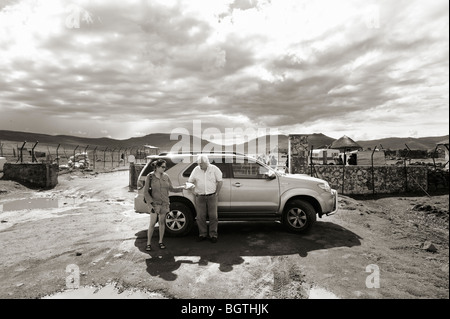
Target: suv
251,191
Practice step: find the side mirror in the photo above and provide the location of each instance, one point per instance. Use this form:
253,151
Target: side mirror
270,175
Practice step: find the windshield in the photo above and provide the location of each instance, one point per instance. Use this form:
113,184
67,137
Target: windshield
269,170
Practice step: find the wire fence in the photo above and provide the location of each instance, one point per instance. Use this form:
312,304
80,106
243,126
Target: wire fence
74,156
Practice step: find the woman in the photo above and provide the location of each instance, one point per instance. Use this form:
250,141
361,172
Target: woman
158,199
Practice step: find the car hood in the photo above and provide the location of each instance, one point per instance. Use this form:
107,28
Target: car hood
296,178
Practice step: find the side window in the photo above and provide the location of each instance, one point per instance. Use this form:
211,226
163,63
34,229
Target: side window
189,170
248,169
221,166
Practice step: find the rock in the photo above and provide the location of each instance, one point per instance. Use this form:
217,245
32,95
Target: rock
428,246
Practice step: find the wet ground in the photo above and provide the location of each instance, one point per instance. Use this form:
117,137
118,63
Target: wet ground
83,239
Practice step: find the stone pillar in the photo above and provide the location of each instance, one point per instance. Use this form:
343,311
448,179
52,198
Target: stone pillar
134,171
298,152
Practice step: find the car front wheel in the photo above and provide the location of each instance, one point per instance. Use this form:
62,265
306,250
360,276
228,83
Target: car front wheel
179,220
299,216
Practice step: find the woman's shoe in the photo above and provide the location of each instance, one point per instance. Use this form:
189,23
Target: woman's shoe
148,248
162,246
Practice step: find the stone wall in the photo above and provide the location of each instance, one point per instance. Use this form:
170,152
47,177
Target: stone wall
361,180
34,175
135,170
438,179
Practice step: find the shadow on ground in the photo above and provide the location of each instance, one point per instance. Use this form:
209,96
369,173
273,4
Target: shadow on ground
237,240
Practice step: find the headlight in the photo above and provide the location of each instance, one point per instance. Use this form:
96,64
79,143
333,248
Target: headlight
325,187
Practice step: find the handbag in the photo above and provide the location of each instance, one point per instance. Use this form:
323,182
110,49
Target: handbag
149,186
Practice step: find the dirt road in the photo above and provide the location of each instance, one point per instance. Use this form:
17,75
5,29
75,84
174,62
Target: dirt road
85,234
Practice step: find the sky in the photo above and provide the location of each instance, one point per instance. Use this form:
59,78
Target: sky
367,69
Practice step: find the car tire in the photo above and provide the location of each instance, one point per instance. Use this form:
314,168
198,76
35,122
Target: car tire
298,216
180,220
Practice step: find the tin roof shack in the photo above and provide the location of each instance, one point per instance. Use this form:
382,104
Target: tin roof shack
324,156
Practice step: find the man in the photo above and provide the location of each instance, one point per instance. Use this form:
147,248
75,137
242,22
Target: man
207,179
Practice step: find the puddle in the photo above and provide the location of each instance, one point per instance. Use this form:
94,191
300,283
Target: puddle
109,291
34,203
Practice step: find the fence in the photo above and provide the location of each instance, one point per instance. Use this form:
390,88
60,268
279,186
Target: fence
382,174
371,180
73,156
401,176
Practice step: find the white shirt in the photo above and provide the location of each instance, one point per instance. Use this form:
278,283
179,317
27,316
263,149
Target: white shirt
205,181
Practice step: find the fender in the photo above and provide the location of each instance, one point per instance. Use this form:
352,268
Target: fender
188,200
305,192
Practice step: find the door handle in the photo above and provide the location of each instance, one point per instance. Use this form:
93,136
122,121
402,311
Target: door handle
237,184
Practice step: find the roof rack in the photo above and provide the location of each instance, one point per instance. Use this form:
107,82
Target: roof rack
196,153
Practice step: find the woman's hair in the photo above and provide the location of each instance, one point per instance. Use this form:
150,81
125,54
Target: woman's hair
158,163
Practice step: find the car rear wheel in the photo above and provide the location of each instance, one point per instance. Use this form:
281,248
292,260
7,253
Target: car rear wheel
298,216
179,220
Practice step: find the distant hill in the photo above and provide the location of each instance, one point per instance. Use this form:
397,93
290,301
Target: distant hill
399,143
164,143
160,140
316,140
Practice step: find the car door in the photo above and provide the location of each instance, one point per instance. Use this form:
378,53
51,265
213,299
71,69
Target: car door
251,190
223,204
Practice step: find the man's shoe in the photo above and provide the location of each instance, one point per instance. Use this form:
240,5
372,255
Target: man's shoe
201,238
214,240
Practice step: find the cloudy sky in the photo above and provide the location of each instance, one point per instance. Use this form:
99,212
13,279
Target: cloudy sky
362,68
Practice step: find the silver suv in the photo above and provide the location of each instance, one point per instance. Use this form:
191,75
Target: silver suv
251,191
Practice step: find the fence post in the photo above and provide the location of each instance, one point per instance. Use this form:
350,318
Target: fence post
94,156
112,158
74,153
406,170
57,154
49,156
21,152
373,171
33,158
104,157
85,155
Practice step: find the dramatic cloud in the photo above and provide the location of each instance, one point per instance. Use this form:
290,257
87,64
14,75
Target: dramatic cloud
365,69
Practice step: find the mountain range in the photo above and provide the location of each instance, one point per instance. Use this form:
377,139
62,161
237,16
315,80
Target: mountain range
164,143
